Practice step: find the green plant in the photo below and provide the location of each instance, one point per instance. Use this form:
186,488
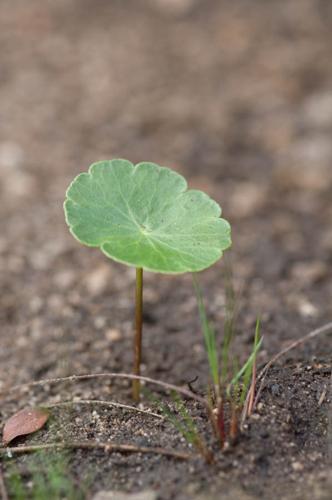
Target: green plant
183,422
144,216
49,477
230,384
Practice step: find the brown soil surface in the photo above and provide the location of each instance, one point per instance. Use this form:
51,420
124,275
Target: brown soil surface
238,97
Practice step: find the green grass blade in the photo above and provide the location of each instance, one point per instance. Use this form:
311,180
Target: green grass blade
249,370
229,330
209,335
247,365
246,382
172,418
235,387
15,485
187,418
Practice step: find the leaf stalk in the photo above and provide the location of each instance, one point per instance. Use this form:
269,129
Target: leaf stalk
138,333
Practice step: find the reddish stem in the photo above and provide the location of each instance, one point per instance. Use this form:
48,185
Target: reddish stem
234,428
221,424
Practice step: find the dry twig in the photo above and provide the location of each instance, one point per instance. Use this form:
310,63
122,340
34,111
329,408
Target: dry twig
127,376
325,329
102,403
252,388
322,397
107,447
73,378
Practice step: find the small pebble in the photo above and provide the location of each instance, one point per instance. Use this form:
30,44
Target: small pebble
297,466
112,334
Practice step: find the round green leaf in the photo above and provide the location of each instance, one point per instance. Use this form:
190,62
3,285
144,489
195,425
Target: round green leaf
144,216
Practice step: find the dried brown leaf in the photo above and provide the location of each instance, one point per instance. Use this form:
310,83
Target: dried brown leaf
24,422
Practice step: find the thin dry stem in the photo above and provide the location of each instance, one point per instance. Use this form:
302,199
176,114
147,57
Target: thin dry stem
325,329
252,388
110,375
322,397
314,333
74,378
102,403
107,447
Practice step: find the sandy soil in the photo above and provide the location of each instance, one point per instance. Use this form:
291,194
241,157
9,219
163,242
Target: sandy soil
237,96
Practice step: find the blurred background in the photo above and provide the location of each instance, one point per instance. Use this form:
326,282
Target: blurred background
236,95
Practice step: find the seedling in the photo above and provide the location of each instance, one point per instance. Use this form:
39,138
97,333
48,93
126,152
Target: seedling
45,476
231,384
183,423
144,216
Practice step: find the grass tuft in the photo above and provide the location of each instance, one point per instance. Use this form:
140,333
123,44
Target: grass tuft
45,475
231,383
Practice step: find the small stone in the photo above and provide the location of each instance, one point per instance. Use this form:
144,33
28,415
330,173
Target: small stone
276,390
22,342
112,335
309,272
55,302
36,329
314,456
173,6
15,264
11,155
118,495
297,466
318,109
326,240
97,281
64,279
302,305
35,304
314,154
307,309
99,322
19,184
247,198
303,176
